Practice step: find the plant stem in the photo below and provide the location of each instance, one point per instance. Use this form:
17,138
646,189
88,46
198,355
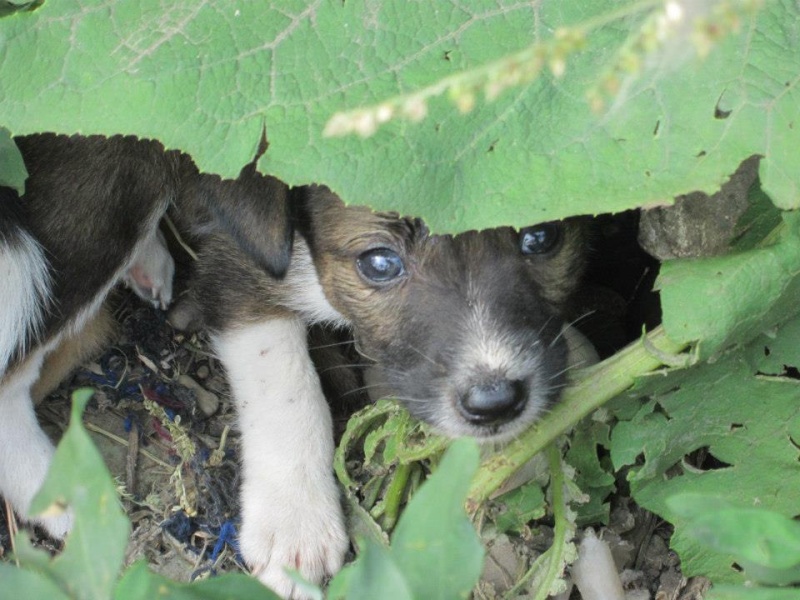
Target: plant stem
597,385
560,518
394,495
554,554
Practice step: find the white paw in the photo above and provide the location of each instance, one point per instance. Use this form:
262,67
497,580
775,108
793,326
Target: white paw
151,273
306,537
57,527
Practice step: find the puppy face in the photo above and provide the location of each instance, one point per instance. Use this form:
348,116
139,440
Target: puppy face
465,328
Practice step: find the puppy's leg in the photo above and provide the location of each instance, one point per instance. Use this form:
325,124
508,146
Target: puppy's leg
73,351
150,274
291,511
26,451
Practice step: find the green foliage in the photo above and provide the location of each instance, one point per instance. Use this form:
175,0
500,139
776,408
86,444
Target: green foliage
519,507
765,543
12,169
138,583
434,545
593,476
571,108
206,78
9,7
435,551
734,297
729,410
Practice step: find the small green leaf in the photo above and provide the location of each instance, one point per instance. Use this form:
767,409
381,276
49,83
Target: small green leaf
756,535
374,575
140,584
21,583
519,507
12,169
729,592
731,299
435,545
93,553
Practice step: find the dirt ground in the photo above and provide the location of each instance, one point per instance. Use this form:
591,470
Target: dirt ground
163,420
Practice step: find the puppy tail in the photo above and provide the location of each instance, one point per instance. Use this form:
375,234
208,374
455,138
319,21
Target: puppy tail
25,291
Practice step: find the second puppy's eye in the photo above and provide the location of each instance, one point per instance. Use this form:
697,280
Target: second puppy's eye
539,239
380,265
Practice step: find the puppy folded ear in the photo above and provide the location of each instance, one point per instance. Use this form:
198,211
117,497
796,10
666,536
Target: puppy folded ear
254,210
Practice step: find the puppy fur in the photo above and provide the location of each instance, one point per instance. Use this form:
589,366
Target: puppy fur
466,330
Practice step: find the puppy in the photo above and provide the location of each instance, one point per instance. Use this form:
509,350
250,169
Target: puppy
89,220
466,330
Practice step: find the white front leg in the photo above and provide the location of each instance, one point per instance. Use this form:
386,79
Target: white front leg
291,508
25,450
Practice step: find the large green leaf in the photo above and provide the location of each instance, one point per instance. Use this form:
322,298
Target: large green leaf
206,77
732,298
746,421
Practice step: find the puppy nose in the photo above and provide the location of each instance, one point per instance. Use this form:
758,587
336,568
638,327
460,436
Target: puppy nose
494,403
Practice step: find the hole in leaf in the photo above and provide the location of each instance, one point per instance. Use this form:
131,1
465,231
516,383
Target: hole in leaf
791,372
702,460
736,426
700,154
720,113
660,410
737,567
767,351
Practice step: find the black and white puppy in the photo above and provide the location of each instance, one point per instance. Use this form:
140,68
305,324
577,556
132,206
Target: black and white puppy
466,330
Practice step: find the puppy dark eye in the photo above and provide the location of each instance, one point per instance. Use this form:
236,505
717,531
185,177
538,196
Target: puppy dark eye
380,265
539,239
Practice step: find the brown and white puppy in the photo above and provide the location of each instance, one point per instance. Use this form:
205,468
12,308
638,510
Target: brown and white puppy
467,331
88,220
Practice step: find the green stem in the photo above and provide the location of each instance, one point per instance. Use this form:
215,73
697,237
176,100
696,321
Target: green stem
394,495
555,554
597,385
561,520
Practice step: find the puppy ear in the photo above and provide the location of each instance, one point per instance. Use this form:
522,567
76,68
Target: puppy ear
254,210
